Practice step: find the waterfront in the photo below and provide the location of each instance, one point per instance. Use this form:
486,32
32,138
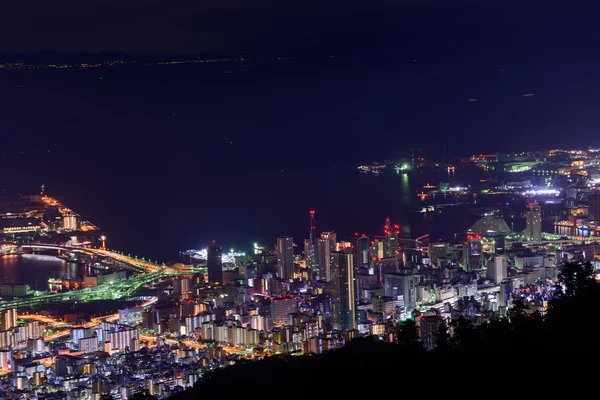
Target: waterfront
35,270
348,202
223,173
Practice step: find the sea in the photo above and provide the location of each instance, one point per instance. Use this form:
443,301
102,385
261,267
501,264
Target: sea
165,158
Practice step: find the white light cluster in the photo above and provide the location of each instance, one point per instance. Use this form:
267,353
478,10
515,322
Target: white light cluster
542,192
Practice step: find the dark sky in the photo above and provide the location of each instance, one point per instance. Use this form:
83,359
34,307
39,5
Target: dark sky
165,26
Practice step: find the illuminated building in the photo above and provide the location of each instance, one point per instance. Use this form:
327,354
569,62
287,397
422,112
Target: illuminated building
285,257
183,286
5,359
491,224
377,249
19,225
343,295
214,264
533,230
362,252
429,323
594,206
438,253
311,247
327,244
281,308
71,222
88,344
79,333
7,338
8,319
496,270
391,236
402,284
33,329
119,336
474,253
382,266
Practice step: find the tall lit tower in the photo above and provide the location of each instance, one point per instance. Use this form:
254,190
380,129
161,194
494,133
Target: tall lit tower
214,264
533,230
363,252
343,294
326,247
391,236
311,245
313,228
285,257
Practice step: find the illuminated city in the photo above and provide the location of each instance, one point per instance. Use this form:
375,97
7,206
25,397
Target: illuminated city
301,200
301,296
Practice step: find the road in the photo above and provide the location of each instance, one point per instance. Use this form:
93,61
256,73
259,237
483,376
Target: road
146,272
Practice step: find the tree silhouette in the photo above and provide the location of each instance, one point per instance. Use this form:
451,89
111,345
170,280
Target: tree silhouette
465,335
143,394
575,279
442,338
408,336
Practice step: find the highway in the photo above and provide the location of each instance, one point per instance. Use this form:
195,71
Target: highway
146,272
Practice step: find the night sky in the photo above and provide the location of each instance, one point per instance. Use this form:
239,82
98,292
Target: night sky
161,26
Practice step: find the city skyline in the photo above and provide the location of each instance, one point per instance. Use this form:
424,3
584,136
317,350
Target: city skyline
202,199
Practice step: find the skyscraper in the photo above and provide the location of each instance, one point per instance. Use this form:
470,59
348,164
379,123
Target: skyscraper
496,270
214,264
403,284
311,245
533,230
8,319
391,236
326,247
474,256
285,257
438,251
343,292
363,247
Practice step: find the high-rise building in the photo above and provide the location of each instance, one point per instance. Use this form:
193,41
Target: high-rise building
327,244
285,257
281,308
594,206
391,236
33,329
8,319
343,291
378,249
402,284
88,344
474,256
438,252
71,222
362,252
311,247
429,324
214,264
533,230
496,270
